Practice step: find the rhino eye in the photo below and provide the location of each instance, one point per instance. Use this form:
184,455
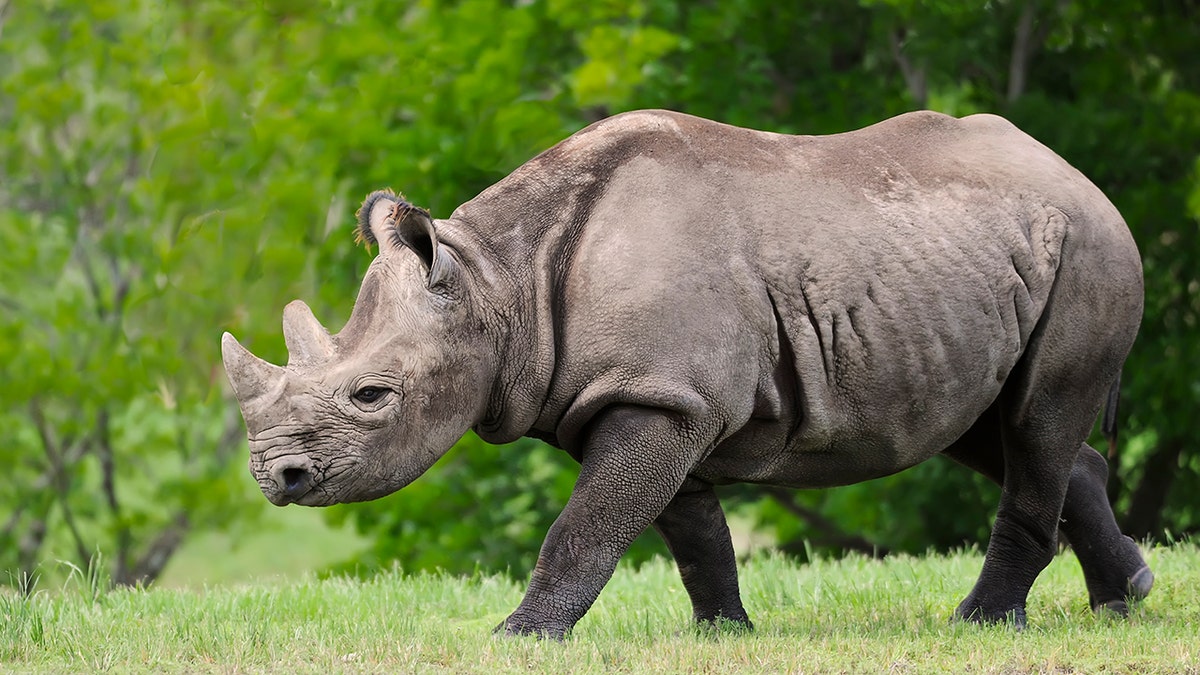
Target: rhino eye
369,394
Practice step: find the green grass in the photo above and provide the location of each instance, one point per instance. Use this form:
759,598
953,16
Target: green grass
854,615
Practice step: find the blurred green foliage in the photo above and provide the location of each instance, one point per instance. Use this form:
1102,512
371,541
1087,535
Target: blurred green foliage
172,170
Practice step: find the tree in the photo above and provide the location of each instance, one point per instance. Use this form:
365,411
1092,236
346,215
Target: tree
130,235
172,170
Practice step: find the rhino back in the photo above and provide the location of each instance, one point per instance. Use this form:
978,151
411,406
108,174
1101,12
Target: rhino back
863,295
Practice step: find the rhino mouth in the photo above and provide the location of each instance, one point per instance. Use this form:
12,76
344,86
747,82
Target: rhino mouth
307,496
310,498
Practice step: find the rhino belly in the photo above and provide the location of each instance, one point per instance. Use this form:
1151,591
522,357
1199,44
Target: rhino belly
762,452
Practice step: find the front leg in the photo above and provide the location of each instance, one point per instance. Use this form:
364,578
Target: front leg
633,462
694,527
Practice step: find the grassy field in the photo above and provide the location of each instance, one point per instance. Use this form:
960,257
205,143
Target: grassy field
854,615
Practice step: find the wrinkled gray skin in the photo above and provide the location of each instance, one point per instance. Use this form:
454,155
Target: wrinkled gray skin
680,304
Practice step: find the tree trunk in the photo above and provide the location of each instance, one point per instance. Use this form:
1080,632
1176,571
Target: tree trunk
830,533
1030,35
152,562
914,74
1144,518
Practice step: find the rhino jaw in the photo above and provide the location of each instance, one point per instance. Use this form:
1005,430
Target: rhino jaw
253,379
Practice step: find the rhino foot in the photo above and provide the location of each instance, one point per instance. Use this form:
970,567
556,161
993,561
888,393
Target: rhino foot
542,630
973,613
1141,583
725,624
1137,588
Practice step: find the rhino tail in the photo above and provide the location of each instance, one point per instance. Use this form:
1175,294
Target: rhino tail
1108,424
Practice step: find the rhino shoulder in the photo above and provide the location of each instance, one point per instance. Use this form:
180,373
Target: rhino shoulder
640,121
622,136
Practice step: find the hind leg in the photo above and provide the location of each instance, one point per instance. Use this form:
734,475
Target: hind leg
1112,563
1047,407
694,528
1024,536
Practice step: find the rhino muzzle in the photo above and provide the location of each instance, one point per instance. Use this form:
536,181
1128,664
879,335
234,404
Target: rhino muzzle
260,388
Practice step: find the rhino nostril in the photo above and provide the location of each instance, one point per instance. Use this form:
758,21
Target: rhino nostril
294,479
292,476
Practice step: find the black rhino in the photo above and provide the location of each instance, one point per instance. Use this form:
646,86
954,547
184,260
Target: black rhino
679,304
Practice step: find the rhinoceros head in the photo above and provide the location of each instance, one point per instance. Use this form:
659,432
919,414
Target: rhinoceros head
360,414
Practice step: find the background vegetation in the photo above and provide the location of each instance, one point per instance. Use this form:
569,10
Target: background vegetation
170,170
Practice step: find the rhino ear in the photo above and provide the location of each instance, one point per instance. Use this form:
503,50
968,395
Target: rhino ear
414,229
385,218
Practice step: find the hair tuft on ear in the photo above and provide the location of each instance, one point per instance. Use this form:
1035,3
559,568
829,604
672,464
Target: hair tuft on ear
363,234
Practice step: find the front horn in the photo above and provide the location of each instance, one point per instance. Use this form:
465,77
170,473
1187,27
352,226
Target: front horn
250,376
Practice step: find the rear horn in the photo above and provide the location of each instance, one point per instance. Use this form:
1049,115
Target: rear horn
306,338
